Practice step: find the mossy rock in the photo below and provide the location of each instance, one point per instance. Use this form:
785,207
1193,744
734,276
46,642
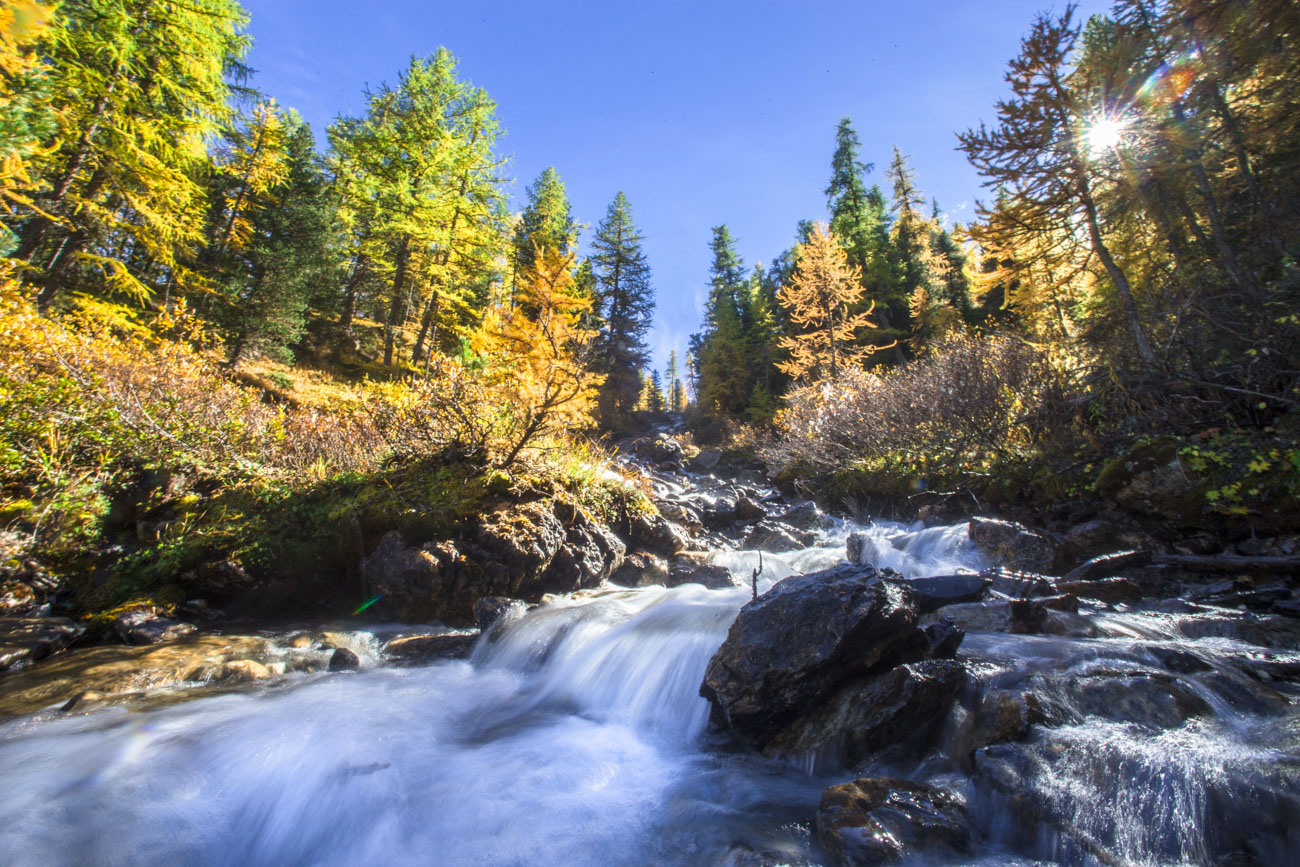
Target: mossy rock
1143,456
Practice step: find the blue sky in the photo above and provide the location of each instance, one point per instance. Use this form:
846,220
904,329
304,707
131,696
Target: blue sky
702,113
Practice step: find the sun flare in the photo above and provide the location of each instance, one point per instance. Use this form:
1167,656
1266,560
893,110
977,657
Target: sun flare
1105,134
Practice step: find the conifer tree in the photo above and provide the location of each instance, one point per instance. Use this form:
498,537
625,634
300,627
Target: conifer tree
546,221
138,87
624,306
819,297
725,380
676,393
286,256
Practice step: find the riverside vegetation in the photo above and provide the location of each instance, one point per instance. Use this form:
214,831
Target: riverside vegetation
252,389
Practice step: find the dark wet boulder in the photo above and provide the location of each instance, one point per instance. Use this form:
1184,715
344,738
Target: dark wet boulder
936,591
1109,590
788,650
748,509
717,512
641,570
897,712
680,513
999,715
768,536
942,638
27,639
344,660
993,615
805,516
146,626
589,555
1013,545
488,610
651,531
414,582
663,449
707,459
1108,565
879,820
1142,697
1020,585
422,648
711,576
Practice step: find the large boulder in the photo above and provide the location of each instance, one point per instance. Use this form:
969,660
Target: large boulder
935,591
27,639
878,820
1013,545
590,554
898,711
788,650
641,570
651,531
711,576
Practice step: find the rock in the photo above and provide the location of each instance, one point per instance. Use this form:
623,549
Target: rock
788,650
900,710
854,547
680,514
749,510
1001,715
28,639
1108,565
878,820
936,591
1090,536
991,616
766,536
664,449
344,660
514,548
805,516
1028,617
1020,585
241,671
641,570
717,512
115,672
713,577
1013,545
1109,590
489,609
1177,661
590,554
1287,607
1146,699
707,459
145,626
413,649
655,533
942,638
412,583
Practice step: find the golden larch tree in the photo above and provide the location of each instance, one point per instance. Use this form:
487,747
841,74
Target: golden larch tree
822,291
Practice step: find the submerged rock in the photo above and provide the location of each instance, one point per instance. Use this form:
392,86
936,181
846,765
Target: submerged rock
789,649
878,820
707,574
27,639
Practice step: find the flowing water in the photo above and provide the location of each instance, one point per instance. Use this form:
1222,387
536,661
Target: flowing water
576,735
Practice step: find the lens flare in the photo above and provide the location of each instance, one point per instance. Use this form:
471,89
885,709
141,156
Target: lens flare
1105,134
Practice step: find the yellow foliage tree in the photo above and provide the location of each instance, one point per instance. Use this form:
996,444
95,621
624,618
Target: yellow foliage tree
820,295
536,356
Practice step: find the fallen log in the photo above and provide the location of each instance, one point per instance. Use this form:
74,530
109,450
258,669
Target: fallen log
1231,563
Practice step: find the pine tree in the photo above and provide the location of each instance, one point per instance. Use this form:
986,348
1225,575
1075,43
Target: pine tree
546,221
676,393
819,297
624,306
657,403
725,378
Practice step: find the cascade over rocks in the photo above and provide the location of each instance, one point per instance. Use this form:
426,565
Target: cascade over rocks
877,820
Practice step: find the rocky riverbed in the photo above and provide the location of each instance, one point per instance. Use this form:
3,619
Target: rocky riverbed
738,679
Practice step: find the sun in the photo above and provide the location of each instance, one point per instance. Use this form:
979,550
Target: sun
1104,134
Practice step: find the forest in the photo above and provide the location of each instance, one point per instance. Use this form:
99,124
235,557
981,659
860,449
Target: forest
196,282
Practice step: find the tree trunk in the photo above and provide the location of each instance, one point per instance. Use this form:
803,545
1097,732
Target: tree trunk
1117,275
72,245
394,311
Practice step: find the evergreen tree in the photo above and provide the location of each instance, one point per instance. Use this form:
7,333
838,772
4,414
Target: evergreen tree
138,87
546,221
657,403
676,393
725,380
287,256
624,306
